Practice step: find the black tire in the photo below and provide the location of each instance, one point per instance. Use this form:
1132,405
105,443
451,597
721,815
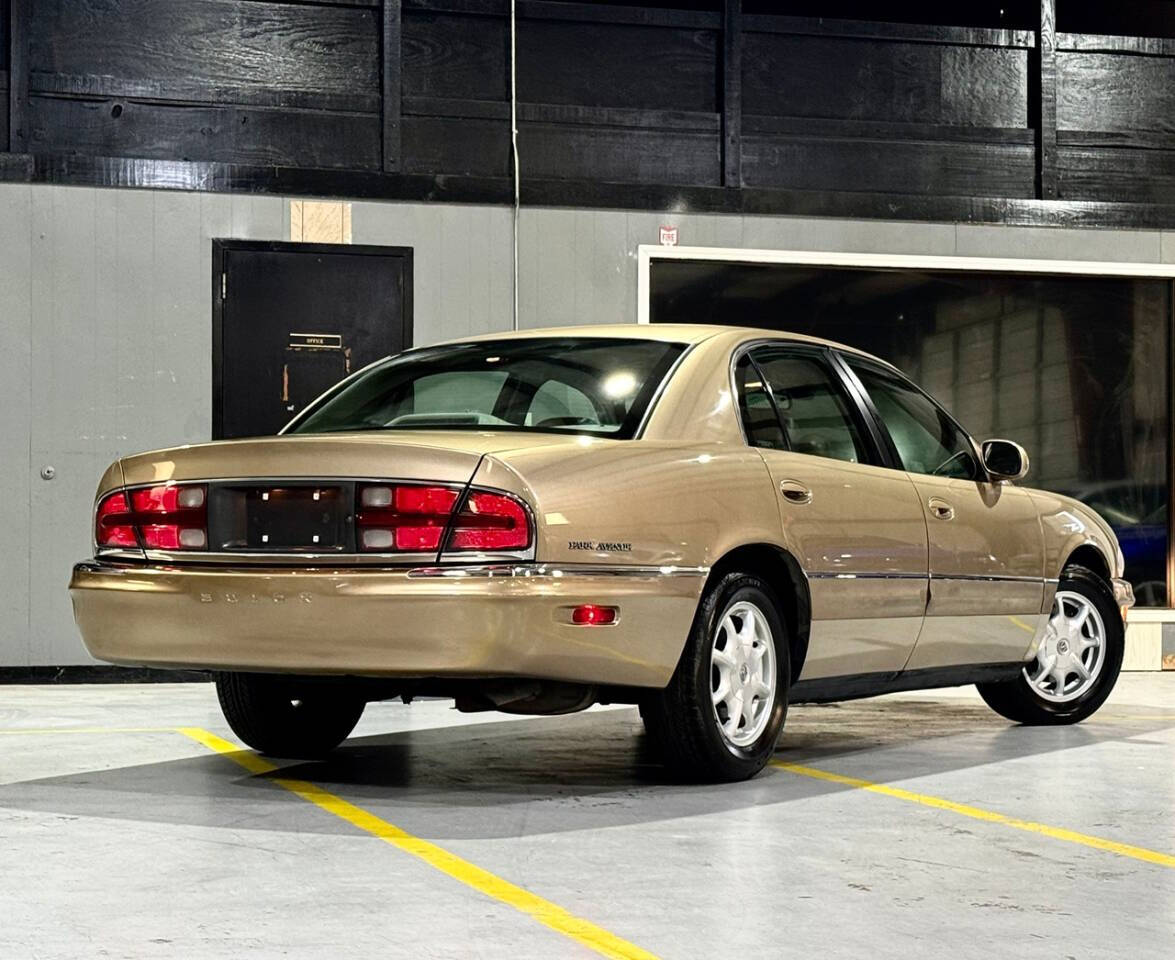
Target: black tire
285,717
1018,700
680,720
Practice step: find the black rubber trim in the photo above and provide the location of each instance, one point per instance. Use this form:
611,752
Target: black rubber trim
859,685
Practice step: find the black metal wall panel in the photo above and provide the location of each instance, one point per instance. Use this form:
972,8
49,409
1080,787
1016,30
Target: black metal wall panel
726,105
618,65
172,47
265,136
238,81
878,166
455,57
857,79
460,147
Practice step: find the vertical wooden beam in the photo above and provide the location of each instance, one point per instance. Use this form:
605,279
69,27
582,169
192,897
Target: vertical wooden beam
18,77
1043,106
732,93
390,56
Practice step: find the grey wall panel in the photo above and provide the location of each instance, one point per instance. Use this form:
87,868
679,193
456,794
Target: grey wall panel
15,418
105,314
461,263
1127,246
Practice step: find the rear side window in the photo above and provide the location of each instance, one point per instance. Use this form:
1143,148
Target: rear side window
927,440
807,402
756,408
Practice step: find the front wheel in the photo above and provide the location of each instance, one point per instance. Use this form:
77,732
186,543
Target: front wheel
1077,663
285,716
722,713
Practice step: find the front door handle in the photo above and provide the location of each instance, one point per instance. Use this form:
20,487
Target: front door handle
794,491
941,509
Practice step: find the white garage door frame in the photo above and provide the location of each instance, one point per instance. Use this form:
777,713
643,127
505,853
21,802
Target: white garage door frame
647,253
1144,646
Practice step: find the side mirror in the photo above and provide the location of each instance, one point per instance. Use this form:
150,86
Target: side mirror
1005,460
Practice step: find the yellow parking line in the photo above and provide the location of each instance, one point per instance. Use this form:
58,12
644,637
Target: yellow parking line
1057,833
555,917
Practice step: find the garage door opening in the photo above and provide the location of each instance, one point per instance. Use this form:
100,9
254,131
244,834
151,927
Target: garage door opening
1074,367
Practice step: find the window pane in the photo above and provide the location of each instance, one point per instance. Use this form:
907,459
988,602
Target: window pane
755,406
1073,368
579,384
927,440
815,413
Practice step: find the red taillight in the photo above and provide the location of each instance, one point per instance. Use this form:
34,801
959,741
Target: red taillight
593,615
112,522
490,522
402,519
411,518
167,517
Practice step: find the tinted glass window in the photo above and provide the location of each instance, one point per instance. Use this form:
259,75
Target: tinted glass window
1072,367
812,406
926,438
578,384
755,406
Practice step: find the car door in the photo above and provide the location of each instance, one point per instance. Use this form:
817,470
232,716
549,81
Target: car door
855,527
986,546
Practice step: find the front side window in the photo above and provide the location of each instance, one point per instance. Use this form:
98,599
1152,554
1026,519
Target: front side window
813,411
927,440
595,385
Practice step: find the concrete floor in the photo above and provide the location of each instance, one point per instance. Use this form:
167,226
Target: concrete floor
144,843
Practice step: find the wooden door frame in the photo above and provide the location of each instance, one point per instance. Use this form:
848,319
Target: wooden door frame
221,247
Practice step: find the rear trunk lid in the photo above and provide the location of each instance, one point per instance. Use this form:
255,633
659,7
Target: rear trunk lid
304,498
440,456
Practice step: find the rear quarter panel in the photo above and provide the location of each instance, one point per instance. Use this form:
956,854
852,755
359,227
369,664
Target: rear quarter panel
640,501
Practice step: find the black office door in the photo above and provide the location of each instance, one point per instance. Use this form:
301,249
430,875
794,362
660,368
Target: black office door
291,319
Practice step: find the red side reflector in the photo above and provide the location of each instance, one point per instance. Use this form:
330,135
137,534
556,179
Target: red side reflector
593,615
491,521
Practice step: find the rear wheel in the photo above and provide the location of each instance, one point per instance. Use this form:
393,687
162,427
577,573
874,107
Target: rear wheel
285,716
722,713
1077,663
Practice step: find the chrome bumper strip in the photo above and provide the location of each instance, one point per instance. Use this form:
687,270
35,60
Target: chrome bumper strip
555,570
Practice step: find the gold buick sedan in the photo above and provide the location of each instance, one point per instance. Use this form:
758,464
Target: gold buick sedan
710,522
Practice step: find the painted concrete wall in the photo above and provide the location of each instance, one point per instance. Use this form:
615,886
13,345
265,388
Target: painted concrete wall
105,327
106,345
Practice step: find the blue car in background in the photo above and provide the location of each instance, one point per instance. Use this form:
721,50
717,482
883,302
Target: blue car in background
1138,515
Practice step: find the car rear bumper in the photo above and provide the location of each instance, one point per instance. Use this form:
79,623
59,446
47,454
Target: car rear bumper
477,621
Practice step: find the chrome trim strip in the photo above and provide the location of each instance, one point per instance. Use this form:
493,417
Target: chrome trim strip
992,578
867,576
554,570
831,575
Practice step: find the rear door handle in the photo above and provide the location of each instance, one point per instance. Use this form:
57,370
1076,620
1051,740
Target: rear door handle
941,509
794,491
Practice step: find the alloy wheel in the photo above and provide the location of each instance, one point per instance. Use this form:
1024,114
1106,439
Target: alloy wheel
742,674
1072,652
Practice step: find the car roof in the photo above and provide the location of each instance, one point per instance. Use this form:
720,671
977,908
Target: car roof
691,333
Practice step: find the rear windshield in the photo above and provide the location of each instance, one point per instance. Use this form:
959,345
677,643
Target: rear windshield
549,384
